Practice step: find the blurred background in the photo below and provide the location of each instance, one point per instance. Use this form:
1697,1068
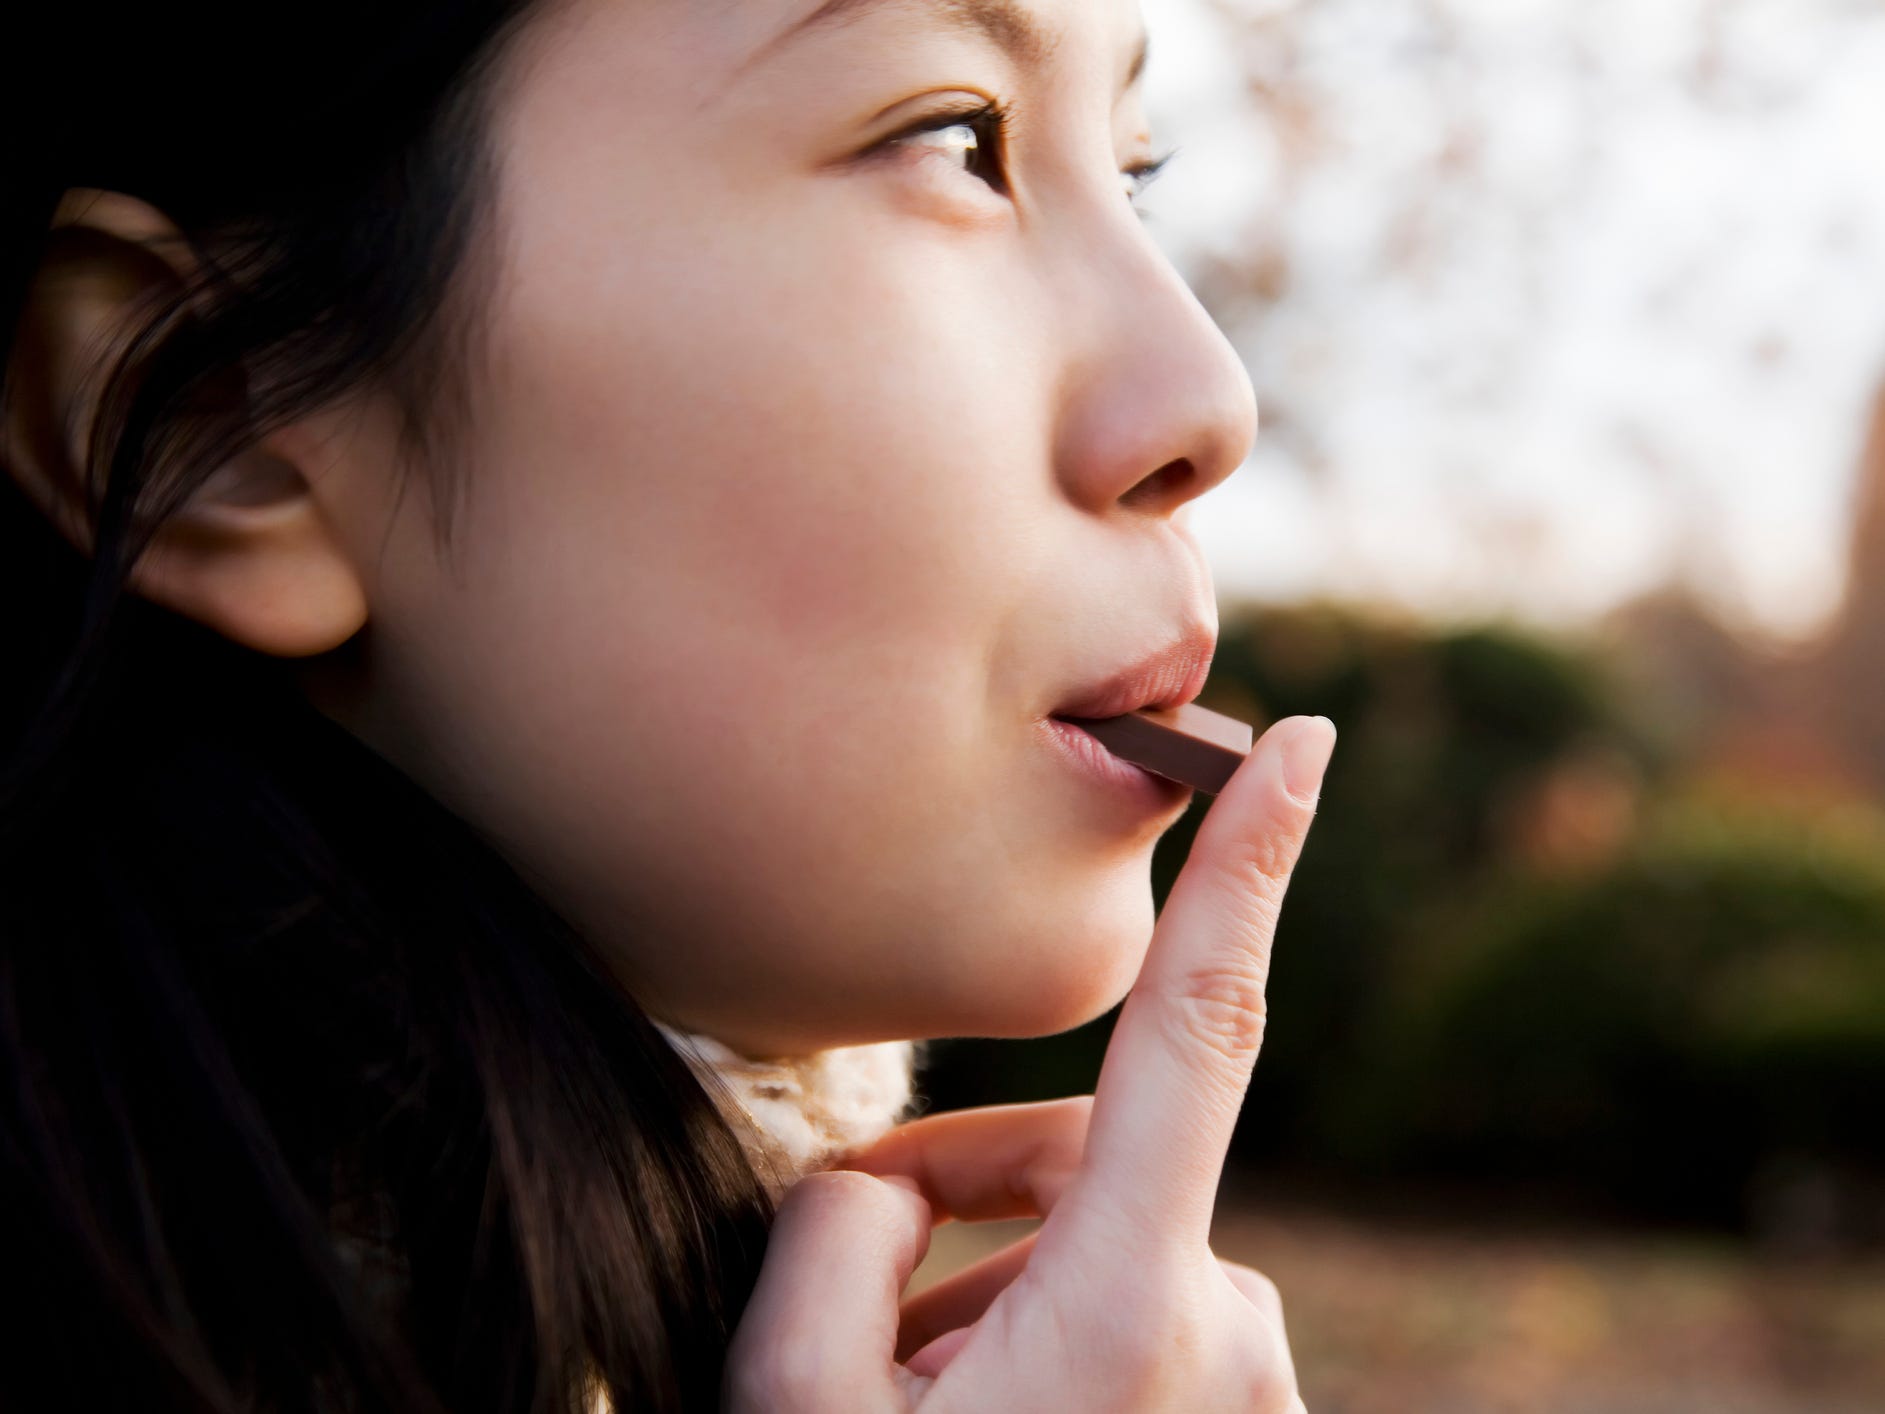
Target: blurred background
1567,319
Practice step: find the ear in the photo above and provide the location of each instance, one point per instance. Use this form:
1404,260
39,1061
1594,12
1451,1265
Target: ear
252,554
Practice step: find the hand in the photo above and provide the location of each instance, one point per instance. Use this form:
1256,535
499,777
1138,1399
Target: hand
982,1165
1117,1304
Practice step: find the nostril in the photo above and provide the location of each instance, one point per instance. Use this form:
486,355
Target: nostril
1169,482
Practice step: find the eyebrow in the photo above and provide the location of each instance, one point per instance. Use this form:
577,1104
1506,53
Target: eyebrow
1012,29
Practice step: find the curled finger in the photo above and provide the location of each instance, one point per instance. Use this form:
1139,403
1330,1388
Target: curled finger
821,1327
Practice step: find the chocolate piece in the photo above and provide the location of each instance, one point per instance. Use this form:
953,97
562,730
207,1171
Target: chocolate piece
1190,744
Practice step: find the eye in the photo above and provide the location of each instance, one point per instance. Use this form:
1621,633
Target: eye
977,139
1141,175
974,138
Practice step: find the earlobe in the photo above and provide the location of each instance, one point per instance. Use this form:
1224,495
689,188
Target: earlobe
252,554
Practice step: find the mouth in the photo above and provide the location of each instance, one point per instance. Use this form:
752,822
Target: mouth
1169,677
1145,792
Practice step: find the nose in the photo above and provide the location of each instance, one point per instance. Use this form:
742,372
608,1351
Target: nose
1158,406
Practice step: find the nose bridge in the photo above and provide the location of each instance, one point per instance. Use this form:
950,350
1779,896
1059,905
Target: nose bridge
1159,406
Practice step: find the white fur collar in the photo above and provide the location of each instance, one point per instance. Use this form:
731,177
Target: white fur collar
799,1114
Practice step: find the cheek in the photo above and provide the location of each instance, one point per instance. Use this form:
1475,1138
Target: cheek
829,490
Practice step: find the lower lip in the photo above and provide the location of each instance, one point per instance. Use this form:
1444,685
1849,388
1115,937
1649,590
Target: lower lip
1084,751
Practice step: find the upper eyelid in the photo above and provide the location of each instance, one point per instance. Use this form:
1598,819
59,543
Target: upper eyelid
985,112
1150,167
1001,118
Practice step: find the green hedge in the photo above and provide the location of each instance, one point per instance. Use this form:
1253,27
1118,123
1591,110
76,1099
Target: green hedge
1660,1034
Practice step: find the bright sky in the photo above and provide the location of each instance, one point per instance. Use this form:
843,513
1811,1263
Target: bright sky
1584,295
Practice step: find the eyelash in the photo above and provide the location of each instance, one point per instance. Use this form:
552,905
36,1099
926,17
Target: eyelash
993,119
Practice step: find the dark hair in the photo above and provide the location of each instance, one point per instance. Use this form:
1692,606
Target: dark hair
310,1102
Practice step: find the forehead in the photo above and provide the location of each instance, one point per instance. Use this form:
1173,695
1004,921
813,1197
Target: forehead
1029,32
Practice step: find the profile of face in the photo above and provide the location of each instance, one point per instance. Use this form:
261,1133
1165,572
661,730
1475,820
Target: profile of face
827,437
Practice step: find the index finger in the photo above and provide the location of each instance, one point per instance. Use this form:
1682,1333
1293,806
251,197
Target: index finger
1181,1055
984,1164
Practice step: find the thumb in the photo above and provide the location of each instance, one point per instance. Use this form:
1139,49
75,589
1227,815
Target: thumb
822,1322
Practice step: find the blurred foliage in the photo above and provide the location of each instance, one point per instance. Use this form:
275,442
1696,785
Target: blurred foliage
1528,955
1668,1034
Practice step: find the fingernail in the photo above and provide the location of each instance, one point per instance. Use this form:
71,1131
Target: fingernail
1306,751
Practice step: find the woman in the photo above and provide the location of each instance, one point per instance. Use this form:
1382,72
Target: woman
537,532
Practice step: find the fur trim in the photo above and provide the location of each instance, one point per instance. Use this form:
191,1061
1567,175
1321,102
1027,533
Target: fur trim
799,1114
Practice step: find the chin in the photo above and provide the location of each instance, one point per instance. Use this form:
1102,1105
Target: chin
1066,988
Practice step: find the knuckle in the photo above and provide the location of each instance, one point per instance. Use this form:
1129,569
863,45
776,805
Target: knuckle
1271,1388
1221,1006
1269,1375
1246,1359
1249,898
1267,856
1156,1341
1142,1368
1170,1346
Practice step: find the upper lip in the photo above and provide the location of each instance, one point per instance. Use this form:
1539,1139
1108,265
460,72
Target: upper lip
1167,678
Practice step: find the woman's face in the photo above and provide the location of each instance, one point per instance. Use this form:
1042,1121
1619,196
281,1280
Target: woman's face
811,468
